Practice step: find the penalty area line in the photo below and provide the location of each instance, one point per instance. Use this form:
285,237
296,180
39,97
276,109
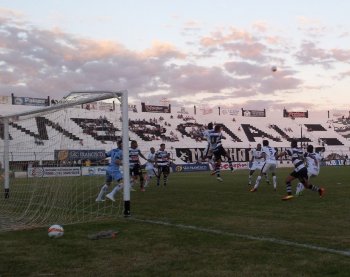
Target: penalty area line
248,237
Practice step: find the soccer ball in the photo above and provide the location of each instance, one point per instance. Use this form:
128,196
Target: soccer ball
55,231
274,68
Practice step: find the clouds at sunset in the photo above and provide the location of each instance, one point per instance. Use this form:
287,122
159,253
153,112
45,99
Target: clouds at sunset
219,64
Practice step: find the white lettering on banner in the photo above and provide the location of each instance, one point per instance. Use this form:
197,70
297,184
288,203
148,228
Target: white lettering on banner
54,171
334,162
93,171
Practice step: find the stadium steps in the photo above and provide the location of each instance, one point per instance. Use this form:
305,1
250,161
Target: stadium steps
102,125
314,127
230,133
247,128
58,128
331,141
280,131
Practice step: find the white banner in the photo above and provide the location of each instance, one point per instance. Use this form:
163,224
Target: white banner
53,171
4,99
93,170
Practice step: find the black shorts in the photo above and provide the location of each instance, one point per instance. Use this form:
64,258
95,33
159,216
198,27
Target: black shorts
301,174
219,152
165,169
136,170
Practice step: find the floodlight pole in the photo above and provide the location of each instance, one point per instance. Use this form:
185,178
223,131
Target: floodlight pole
125,139
6,158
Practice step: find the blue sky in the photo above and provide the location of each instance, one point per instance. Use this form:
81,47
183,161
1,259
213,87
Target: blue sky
191,52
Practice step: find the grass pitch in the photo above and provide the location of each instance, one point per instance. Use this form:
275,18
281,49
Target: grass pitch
197,226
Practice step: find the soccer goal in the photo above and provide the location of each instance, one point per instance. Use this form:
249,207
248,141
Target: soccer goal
54,161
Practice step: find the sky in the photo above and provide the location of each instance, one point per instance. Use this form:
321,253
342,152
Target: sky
199,52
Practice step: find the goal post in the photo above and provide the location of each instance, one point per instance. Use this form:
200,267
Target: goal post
59,128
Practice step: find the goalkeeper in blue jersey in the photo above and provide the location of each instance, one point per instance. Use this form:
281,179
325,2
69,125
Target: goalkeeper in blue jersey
112,173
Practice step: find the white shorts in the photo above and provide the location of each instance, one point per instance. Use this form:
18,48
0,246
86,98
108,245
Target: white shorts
269,167
257,165
150,172
312,172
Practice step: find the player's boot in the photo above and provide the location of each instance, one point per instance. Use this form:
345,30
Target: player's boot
321,192
219,179
110,197
99,199
253,190
287,197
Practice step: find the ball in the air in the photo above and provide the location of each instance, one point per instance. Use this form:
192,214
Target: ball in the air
55,231
274,68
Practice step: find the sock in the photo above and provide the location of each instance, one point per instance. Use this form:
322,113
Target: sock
250,179
103,191
217,170
300,187
257,182
314,188
230,164
165,179
274,180
289,188
212,163
148,179
116,189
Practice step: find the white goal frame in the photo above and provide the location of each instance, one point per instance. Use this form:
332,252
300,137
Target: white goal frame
66,102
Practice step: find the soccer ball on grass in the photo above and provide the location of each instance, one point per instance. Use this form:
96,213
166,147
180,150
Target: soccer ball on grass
55,231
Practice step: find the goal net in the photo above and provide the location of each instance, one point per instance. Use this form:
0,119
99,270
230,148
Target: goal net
54,162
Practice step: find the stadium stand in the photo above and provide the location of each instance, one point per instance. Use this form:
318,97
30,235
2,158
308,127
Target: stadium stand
182,128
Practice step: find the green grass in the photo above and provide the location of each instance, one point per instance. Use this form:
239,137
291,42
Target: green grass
197,226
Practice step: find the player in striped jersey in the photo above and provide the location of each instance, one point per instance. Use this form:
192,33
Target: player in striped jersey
256,162
313,161
269,155
112,173
299,172
135,165
162,162
215,138
208,153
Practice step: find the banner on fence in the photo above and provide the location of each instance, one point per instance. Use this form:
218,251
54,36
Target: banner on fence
29,101
190,167
93,171
155,109
253,113
75,155
53,171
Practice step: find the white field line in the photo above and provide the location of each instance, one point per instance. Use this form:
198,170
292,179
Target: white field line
248,237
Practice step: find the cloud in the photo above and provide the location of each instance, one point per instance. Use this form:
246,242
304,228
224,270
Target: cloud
311,54
220,66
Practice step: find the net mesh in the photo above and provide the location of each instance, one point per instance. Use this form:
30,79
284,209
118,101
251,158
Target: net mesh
57,165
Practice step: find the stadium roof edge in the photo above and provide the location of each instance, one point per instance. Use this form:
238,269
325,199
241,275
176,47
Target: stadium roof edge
71,99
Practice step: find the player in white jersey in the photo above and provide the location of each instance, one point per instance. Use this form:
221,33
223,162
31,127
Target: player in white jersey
269,155
313,161
299,172
150,166
256,162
